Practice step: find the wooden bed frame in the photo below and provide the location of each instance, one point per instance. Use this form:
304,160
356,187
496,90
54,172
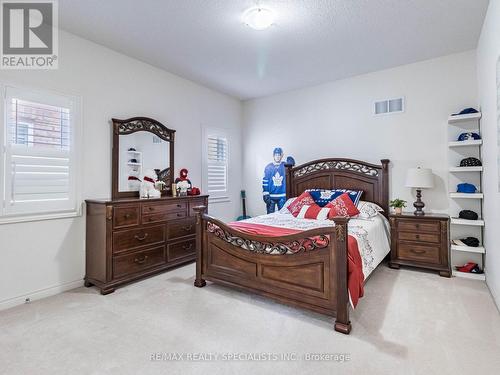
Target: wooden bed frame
315,280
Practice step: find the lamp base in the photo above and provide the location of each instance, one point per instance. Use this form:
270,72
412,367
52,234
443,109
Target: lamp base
419,205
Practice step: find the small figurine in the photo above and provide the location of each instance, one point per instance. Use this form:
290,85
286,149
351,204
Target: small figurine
186,183
148,185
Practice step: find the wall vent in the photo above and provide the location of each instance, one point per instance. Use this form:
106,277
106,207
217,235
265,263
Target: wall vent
389,106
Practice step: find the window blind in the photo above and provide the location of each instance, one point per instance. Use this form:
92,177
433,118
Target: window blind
217,160
39,154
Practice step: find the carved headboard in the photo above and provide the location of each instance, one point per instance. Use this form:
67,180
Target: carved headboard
342,174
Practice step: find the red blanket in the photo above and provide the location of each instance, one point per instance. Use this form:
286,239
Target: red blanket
355,277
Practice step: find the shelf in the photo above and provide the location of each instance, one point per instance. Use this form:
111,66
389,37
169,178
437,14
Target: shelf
134,152
466,169
134,164
476,223
466,195
468,249
475,142
464,118
468,275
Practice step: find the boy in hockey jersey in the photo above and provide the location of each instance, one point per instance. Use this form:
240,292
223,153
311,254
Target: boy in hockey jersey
274,182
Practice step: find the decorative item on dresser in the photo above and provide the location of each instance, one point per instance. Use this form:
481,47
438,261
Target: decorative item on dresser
132,238
421,241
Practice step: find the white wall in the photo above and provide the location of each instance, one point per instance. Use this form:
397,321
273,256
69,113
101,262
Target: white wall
488,52
335,120
40,258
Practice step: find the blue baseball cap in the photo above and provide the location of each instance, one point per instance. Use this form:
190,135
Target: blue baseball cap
278,150
290,160
468,136
466,188
466,111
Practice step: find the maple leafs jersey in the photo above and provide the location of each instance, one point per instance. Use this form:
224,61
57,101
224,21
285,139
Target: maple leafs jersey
273,183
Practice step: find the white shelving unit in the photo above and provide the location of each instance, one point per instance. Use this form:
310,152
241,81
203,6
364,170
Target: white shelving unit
465,169
466,195
461,228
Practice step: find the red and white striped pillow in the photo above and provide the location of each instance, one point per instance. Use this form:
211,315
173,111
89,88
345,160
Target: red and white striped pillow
313,211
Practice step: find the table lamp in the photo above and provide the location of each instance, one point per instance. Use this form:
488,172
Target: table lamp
419,178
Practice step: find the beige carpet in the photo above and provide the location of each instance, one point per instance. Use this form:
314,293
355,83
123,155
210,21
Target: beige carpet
409,322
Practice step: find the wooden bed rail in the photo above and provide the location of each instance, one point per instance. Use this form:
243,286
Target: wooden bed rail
332,239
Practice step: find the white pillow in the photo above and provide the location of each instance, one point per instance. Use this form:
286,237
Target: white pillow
367,210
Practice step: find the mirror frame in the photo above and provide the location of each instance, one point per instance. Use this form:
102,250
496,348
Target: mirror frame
129,126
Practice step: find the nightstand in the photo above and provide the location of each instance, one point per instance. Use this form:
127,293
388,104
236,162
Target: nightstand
421,241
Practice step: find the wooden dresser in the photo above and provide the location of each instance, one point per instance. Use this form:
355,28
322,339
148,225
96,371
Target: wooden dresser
130,238
421,241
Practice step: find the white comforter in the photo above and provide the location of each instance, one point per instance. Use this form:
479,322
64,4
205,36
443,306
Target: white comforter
372,234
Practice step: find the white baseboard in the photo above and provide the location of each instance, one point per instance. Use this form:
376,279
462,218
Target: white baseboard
39,294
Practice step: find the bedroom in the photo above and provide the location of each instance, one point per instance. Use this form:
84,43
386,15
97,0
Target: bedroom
308,84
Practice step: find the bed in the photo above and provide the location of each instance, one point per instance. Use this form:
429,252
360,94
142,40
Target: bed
309,266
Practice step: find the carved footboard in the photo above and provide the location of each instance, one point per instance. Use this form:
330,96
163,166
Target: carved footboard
307,269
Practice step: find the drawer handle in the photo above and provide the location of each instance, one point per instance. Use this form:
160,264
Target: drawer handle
151,208
187,247
141,238
179,206
141,261
187,228
417,236
128,216
417,226
179,215
417,251
151,219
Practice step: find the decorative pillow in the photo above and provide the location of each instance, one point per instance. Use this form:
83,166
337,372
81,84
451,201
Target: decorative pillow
322,196
313,211
284,209
303,199
342,206
368,210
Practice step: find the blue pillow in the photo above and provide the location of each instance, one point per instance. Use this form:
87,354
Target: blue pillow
322,196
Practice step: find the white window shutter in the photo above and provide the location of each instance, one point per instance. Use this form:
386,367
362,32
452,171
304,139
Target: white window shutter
216,165
40,153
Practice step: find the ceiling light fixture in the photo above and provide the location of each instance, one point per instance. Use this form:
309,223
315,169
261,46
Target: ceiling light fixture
258,18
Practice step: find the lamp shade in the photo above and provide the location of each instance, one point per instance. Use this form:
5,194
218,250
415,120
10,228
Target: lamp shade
420,178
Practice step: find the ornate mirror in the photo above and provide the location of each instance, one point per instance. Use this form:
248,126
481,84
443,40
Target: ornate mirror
141,144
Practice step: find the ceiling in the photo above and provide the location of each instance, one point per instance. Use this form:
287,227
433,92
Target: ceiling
312,41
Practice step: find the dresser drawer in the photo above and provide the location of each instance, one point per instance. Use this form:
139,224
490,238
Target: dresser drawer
181,228
124,265
155,207
419,253
125,216
412,226
155,218
419,237
179,250
131,238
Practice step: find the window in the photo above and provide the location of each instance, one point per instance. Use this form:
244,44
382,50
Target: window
40,160
216,152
